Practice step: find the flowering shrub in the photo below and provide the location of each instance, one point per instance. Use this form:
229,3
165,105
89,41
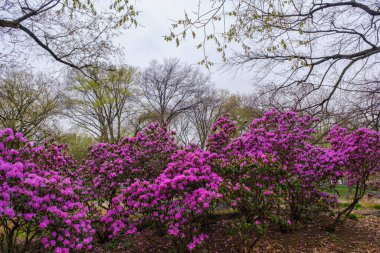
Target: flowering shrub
224,129
38,202
282,135
112,167
106,169
360,155
150,150
310,177
302,168
251,186
179,200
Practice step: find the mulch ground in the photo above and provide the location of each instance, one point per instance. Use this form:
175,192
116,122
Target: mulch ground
361,236
354,236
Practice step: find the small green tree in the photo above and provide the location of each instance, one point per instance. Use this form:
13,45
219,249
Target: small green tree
99,104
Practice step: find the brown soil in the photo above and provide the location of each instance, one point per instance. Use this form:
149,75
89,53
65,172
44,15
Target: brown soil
353,236
362,235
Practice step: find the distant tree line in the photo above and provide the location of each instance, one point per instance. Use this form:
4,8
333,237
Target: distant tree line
109,105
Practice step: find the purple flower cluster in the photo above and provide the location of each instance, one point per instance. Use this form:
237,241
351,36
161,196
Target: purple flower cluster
177,200
38,198
223,130
111,167
359,153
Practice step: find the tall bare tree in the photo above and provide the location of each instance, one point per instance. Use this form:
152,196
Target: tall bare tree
203,115
185,130
170,89
29,102
99,104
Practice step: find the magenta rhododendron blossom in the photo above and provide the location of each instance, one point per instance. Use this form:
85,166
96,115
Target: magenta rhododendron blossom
112,167
223,130
177,200
37,189
274,161
359,153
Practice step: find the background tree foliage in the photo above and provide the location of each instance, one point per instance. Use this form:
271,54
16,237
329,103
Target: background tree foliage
99,104
78,144
29,103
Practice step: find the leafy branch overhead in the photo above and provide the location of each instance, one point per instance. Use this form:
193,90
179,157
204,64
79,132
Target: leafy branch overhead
329,48
85,29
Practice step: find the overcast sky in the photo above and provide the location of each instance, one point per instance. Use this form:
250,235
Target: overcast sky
145,43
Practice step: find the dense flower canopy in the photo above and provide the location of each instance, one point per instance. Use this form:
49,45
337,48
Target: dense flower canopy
271,175
38,197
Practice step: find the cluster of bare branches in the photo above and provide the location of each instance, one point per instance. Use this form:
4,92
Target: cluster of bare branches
111,104
171,88
29,103
312,53
72,32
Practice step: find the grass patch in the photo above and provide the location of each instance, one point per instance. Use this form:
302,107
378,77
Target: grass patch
344,205
353,216
342,190
376,206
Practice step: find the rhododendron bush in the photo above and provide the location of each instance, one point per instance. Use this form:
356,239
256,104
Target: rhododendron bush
271,175
178,201
37,201
274,158
360,154
112,167
251,186
223,130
